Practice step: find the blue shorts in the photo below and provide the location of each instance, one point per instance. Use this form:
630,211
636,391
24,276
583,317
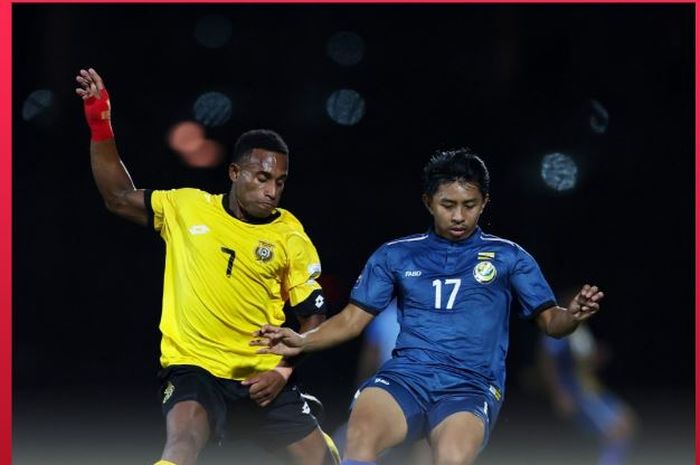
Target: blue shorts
428,395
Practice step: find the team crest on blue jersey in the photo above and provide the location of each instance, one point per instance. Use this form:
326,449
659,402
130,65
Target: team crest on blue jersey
264,252
484,272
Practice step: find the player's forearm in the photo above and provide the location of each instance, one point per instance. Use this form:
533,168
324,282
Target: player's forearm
343,327
561,323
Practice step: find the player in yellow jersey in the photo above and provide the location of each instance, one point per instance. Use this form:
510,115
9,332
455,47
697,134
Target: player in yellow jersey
232,262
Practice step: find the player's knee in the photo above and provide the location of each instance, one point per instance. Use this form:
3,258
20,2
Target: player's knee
362,438
186,441
456,454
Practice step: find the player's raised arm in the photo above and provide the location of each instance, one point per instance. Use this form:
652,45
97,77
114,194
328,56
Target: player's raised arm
341,328
559,322
112,178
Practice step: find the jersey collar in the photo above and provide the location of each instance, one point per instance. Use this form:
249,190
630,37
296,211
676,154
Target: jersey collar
468,241
268,219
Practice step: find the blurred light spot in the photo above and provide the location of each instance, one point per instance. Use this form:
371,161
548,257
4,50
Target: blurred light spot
346,48
346,107
599,117
213,31
213,109
188,140
559,171
186,136
38,104
207,155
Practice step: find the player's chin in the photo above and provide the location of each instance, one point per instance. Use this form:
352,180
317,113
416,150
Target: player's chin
262,211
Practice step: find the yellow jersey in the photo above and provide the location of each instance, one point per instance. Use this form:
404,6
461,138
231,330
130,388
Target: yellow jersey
224,278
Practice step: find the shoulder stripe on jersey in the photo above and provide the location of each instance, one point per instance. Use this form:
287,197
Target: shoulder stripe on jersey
410,239
488,237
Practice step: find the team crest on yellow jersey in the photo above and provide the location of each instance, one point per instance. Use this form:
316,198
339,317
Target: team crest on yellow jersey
484,272
263,251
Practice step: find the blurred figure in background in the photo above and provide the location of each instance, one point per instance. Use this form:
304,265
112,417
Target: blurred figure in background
569,369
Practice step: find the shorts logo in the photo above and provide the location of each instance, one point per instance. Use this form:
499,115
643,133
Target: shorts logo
484,272
263,252
413,274
381,381
306,409
168,391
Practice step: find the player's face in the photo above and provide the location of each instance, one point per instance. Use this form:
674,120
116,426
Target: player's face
258,181
456,208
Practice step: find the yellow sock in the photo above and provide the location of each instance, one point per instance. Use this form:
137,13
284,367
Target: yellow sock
331,448
164,462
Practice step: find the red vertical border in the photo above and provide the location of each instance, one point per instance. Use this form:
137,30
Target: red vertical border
5,233
697,238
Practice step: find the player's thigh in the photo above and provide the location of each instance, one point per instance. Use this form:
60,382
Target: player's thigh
376,421
187,421
192,404
457,439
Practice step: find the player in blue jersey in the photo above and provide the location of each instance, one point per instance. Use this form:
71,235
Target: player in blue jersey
454,287
569,368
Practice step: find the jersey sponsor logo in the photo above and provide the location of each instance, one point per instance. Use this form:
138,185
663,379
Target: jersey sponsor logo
168,391
198,229
413,274
263,252
486,255
381,381
484,272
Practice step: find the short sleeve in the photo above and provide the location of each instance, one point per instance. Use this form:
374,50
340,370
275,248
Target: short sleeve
303,269
530,287
160,204
374,288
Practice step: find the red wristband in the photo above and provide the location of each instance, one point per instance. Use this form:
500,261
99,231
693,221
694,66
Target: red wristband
97,114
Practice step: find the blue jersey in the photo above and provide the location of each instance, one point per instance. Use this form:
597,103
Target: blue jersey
454,299
383,331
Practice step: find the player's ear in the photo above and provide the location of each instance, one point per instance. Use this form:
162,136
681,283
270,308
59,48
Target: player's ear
234,171
486,200
426,202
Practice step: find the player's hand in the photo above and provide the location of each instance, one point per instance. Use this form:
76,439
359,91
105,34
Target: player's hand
264,387
585,304
276,340
91,84
95,104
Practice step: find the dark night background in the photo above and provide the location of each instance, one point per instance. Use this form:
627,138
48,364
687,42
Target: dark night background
512,82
